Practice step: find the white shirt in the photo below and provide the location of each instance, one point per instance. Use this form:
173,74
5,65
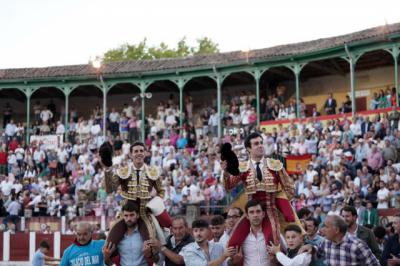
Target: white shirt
223,240
6,187
13,208
310,175
62,156
95,129
254,163
128,111
12,159
213,120
114,117
245,117
38,155
383,195
356,129
10,129
60,129
301,259
192,188
255,250
35,201
19,153
45,115
126,148
17,187
170,120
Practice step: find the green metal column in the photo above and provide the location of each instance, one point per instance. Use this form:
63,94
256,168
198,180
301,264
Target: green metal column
104,89
396,77
352,59
143,122
395,51
296,68
297,76
181,85
219,84
353,87
28,94
257,79
142,87
66,110
180,108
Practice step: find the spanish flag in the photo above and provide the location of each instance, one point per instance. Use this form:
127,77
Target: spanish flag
297,164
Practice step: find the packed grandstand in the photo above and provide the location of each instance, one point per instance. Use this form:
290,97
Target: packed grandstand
347,157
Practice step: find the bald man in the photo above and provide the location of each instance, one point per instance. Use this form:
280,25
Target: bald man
84,250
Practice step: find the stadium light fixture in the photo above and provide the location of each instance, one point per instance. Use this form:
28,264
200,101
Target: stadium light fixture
96,63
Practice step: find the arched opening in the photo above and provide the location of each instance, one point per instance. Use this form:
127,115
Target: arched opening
13,106
47,107
85,101
374,79
239,103
123,102
319,79
202,93
278,87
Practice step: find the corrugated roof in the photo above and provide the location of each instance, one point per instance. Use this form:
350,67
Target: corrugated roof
146,66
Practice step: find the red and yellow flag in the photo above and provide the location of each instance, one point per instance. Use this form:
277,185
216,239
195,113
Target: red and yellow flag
297,164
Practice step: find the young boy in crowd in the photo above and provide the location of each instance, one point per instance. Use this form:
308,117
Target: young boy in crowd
294,241
40,257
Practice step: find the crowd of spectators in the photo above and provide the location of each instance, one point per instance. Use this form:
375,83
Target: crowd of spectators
352,161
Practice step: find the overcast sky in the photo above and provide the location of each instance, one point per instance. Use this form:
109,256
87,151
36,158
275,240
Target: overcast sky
37,33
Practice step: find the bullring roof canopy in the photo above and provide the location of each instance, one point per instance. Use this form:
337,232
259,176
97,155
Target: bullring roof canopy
282,53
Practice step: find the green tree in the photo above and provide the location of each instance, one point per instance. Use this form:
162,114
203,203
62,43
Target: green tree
205,46
142,51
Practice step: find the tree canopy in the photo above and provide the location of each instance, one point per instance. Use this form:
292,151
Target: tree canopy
142,51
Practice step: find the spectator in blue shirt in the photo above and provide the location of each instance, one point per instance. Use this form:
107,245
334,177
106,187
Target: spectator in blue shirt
181,142
84,250
13,210
40,257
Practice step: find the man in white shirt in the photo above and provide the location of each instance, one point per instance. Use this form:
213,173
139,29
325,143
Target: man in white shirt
36,199
310,173
95,129
383,196
38,156
213,122
10,129
128,110
355,128
218,230
6,185
46,115
170,120
60,128
62,155
114,121
254,247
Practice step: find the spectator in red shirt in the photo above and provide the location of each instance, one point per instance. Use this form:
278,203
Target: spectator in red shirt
13,145
3,161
